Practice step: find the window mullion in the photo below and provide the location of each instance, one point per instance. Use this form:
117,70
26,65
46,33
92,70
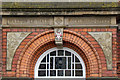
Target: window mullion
46,65
53,62
49,64
74,65
71,64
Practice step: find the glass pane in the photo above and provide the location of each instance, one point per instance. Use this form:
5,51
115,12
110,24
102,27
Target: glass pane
78,66
44,59
72,66
42,66
72,72
72,58
67,53
47,66
69,62
48,58
60,52
53,53
51,63
60,63
76,59
42,73
78,73
60,72
67,72
52,73
47,72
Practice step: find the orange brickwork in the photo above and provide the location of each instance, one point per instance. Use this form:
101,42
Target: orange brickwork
118,64
77,39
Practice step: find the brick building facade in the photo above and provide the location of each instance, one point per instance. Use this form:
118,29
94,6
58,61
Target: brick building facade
28,34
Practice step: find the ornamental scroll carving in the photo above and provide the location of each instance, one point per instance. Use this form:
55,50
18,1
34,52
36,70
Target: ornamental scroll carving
105,41
13,41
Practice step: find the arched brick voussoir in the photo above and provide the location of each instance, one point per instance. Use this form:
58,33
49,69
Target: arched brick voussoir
30,49
86,47
48,36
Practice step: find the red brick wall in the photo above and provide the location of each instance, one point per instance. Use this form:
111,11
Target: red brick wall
118,64
71,38
19,50
105,72
0,53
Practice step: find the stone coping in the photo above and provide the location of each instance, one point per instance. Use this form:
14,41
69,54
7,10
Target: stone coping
42,5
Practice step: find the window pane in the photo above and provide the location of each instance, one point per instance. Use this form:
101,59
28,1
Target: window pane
67,53
72,72
44,59
51,63
60,72
60,63
72,66
42,66
53,53
47,72
60,52
78,66
73,58
48,58
47,66
69,62
67,72
52,73
42,73
78,73
76,59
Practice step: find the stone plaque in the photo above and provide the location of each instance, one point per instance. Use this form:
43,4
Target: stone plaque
28,21
105,41
88,21
58,21
13,41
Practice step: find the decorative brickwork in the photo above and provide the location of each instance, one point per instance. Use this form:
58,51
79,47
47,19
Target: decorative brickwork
118,64
0,53
97,47
77,39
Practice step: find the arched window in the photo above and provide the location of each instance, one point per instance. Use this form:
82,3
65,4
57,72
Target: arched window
59,63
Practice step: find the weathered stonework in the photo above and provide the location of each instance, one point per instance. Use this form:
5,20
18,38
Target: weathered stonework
58,21
13,41
105,41
28,21
88,20
58,36
59,4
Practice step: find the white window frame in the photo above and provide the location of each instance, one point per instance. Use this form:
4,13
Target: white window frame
54,49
